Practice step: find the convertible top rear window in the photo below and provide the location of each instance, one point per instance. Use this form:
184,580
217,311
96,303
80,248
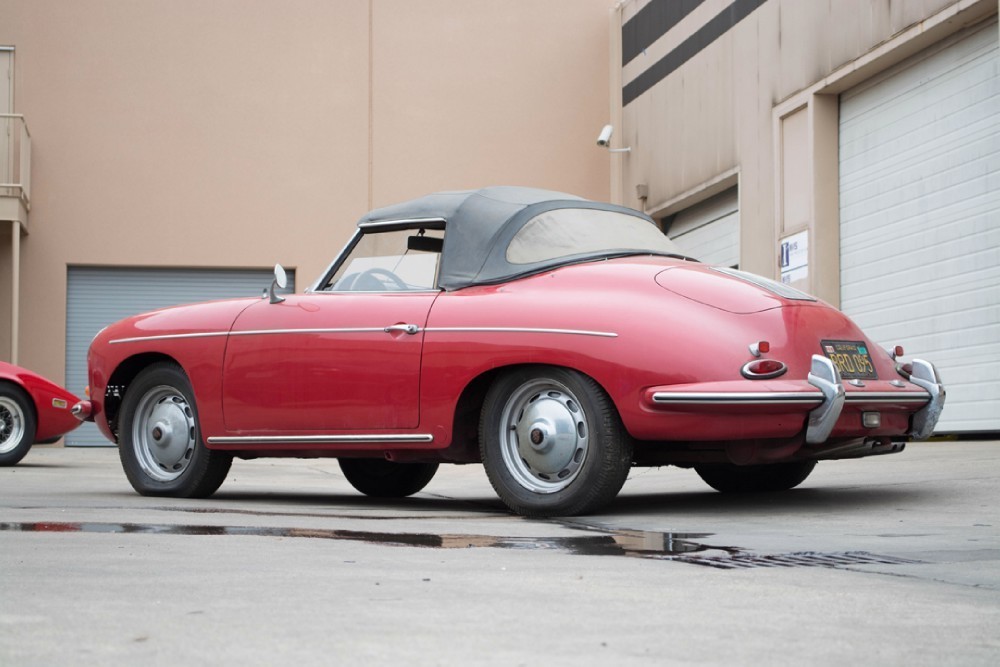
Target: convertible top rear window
566,232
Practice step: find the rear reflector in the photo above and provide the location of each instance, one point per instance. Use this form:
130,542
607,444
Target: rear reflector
763,369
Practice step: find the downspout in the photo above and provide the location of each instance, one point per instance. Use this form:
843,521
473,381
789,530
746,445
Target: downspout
15,287
617,186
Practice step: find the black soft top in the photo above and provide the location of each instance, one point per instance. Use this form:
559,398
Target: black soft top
480,225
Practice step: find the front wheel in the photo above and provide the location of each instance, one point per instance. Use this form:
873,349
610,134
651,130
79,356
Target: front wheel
160,444
17,425
379,478
552,442
729,478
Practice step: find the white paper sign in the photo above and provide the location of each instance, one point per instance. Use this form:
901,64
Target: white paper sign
794,260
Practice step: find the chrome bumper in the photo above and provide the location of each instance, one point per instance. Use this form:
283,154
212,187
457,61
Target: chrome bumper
925,376
83,411
825,377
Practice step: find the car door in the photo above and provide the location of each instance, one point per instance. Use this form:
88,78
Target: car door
326,361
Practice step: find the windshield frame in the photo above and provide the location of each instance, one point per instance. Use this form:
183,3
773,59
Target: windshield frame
362,229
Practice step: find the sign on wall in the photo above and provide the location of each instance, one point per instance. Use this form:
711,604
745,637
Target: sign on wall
794,260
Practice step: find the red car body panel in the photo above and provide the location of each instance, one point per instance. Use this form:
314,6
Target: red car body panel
52,403
324,364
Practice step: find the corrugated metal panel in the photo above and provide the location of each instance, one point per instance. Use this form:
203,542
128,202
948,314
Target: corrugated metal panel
710,230
920,217
99,296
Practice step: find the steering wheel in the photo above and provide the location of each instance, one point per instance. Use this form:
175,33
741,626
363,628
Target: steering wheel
383,276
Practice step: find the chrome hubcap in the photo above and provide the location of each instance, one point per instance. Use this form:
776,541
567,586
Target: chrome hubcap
11,424
544,436
163,433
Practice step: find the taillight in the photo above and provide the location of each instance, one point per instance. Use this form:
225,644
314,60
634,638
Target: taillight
763,369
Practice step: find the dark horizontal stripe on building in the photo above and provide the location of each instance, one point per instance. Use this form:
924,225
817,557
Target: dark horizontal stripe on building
652,22
689,48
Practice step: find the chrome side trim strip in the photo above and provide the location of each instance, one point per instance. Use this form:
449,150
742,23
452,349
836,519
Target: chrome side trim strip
318,439
251,332
738,398
568,332
348,330
136,339
266,332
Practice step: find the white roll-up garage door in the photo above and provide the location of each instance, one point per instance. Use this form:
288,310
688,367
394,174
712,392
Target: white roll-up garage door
920,217
710,230
98,296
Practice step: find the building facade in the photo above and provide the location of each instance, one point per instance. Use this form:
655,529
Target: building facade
850,148
179,149
161,152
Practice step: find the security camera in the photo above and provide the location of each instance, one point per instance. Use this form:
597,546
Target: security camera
604,138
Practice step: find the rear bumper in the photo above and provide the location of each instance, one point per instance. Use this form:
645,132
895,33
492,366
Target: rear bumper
822,406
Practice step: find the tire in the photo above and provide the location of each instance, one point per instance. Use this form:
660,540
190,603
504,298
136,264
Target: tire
729,478
379,478
17,424
160,442
552,442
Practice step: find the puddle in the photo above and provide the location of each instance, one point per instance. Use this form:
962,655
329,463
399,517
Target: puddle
681,547
642,544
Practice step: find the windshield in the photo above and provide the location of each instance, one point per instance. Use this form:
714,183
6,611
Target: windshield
401,260
568,232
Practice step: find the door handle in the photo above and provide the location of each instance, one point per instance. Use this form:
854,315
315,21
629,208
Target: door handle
402,328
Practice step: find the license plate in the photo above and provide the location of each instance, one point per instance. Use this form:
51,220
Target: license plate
851,358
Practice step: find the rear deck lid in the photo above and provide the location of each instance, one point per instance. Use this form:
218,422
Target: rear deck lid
729,289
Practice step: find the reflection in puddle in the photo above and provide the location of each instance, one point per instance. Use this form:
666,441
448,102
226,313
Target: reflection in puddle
634,543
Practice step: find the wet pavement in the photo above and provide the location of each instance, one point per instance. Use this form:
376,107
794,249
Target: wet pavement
887,559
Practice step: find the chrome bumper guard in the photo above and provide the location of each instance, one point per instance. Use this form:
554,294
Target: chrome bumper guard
825,377
925,376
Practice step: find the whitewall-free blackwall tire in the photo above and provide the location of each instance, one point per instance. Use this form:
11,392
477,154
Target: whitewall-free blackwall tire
160,443
552,442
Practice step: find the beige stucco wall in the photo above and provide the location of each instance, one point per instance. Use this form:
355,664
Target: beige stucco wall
239,133
715,120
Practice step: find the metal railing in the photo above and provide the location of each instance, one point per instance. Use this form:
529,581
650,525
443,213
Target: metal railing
15,158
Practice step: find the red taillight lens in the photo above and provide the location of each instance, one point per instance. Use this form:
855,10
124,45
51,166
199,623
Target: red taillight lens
763,369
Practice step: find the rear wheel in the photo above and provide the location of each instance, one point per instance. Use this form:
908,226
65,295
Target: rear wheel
379,478
552,442
17,424
729,478
160,445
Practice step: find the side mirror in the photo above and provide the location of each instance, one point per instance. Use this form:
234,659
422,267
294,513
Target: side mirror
280,281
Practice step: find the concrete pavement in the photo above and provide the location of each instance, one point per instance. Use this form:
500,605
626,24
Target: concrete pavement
885,560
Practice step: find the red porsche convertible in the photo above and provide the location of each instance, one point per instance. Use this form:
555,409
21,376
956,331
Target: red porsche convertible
32,410
558,341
